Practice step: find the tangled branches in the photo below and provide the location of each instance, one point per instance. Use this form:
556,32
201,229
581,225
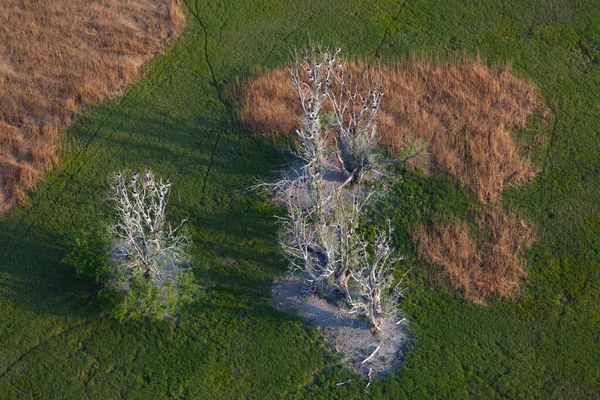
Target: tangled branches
148,256
326,195
145,245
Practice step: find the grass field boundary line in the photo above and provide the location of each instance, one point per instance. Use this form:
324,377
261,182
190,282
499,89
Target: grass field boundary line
219,88
43,342
206,57
210,164
387,29
68,172
130,97
215,82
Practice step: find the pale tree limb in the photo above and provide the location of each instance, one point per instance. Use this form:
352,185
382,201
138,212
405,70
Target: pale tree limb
375,283
371,356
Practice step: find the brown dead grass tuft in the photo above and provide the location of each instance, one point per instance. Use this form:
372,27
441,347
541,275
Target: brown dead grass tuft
58,55
463,108
269,104
490,266
466,111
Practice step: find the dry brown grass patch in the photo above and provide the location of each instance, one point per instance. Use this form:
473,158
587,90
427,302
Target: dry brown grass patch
58,55
269,103
463,108
480,268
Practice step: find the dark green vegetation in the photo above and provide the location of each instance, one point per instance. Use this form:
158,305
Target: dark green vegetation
231,343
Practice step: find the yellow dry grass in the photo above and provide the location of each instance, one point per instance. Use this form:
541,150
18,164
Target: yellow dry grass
465,110
490,266
58,55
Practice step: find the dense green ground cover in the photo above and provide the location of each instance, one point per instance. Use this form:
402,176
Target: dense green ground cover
55,343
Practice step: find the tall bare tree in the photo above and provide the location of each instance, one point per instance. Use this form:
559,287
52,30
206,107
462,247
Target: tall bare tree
144,243
325,195
322,80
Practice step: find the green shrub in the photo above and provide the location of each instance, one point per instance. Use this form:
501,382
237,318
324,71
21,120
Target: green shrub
88,256
135,299
144,300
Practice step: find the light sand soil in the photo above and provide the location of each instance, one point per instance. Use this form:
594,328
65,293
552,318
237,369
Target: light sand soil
345,334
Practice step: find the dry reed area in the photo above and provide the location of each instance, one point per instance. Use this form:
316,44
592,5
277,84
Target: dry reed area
489,266
465,110
58,55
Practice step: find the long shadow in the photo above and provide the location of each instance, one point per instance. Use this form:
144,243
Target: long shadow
224,219
35,279
322,316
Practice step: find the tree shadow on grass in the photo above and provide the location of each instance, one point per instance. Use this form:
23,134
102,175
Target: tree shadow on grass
35,278
229,222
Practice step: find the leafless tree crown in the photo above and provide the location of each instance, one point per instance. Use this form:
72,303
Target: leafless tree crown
326,194
145,244
377,292
321,79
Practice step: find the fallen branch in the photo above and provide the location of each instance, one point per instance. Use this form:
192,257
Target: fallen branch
370,376
371,356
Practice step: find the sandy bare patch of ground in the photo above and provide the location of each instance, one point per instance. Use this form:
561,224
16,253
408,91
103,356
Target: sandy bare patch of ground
345,334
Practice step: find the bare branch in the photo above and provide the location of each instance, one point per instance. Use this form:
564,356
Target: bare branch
354,120
371,356
375,284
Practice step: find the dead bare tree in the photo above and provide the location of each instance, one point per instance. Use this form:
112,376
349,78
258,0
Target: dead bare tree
346,210
303,235
319,77
311,75
354,111
145,245
325,195
376,291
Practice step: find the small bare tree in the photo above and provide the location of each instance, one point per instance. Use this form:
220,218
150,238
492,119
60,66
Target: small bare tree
145,245
376,291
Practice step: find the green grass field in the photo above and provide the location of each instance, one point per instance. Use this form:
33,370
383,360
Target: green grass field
230,343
